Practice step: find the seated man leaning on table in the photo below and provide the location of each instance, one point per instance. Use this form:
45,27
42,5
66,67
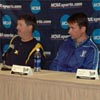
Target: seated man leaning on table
24,44
78,50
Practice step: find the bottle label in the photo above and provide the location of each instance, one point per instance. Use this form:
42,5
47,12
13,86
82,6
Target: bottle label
37,62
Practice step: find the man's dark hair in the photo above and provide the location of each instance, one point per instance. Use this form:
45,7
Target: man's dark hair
79,18
29,19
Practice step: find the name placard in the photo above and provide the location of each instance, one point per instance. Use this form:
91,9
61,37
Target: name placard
23,70
87,74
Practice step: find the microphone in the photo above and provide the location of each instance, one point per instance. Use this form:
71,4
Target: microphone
11,47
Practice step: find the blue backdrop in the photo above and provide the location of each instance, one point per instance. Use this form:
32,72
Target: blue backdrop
51,17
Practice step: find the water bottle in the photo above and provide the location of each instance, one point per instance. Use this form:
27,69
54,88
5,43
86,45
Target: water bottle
37,61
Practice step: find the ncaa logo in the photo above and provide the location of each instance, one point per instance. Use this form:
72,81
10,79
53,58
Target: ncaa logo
6,21
5,48
96,4
36,35
63,21
96,36
35,6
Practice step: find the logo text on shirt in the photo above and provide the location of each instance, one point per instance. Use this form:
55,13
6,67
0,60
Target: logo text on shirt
83,53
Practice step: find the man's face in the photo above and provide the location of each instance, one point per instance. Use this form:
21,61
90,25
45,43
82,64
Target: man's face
75,31
22,28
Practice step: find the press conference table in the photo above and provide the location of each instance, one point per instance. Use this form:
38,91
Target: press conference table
47,85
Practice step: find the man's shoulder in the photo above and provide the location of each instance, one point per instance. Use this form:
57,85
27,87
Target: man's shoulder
35,42
91,43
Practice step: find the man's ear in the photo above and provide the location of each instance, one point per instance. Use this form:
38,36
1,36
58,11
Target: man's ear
83,28
30,26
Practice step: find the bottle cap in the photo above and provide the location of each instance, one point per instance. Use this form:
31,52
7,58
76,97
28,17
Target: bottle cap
38,49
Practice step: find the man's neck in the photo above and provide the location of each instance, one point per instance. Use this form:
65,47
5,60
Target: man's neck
79,42
82,39
27,39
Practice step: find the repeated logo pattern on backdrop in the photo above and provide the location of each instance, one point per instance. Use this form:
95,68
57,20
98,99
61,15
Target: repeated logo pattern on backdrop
51,17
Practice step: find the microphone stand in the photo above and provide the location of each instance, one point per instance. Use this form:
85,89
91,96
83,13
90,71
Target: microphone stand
4,66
